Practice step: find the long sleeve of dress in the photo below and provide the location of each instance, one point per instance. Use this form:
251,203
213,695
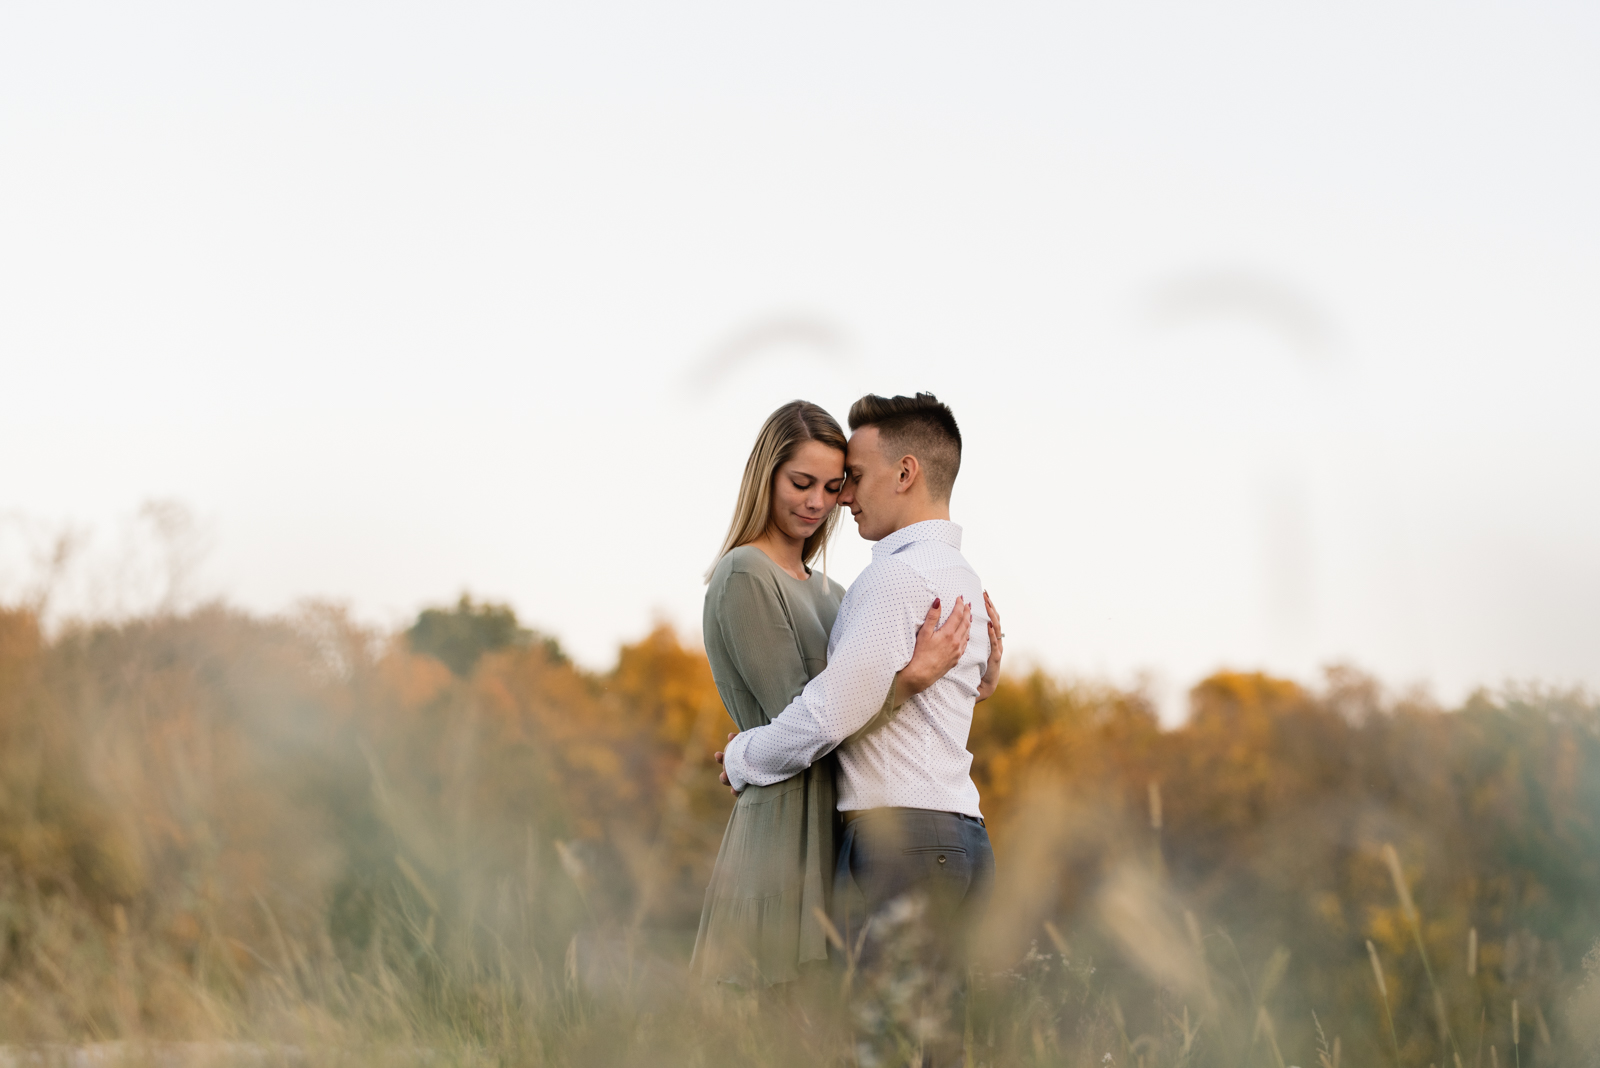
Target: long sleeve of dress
754,621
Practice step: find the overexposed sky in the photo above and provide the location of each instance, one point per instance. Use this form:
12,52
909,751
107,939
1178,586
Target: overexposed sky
1274,332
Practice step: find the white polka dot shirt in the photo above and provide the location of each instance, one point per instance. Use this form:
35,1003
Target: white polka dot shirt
917,756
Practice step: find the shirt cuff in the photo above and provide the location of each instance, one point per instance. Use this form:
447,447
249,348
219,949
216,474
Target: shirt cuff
733,760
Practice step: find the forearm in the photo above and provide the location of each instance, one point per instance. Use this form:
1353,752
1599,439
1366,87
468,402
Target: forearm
814,724
772,753
874,639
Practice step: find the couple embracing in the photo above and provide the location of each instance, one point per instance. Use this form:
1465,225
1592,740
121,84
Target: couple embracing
851,765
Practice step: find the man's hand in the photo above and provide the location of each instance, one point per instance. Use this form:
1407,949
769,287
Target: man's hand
938,649
991,670
723,774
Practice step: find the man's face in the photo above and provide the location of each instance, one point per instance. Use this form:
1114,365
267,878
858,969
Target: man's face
869,488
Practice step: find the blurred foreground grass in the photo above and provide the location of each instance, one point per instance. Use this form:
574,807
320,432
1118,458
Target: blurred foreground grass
229,839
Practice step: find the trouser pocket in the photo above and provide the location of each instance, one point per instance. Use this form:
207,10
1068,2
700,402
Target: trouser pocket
944,857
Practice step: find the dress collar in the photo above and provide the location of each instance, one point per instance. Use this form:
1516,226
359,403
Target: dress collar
941,530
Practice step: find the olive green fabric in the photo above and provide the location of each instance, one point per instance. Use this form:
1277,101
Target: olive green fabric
766,635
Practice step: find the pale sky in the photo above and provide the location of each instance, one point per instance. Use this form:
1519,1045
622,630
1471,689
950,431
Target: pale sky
1274,333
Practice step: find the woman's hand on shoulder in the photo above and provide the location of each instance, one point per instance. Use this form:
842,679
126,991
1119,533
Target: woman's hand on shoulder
938,649
991,670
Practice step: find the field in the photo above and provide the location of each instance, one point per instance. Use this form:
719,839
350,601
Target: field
233,839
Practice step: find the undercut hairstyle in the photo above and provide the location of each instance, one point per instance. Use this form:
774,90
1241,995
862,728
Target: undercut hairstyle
919,426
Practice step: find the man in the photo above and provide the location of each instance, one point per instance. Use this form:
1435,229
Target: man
912,821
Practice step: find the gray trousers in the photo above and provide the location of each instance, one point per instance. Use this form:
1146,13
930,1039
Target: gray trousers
942,860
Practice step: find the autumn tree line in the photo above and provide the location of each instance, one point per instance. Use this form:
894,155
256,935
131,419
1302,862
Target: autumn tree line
198,810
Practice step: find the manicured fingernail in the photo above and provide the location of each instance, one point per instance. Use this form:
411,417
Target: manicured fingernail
936,602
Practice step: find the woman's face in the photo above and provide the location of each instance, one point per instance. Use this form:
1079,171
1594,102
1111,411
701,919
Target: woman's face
806,488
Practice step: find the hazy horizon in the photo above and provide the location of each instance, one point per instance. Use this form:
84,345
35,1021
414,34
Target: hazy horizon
1272,334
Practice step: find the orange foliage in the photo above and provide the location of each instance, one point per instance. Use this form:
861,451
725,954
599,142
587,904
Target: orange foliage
199,786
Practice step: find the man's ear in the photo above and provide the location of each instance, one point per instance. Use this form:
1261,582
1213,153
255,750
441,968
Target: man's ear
910,471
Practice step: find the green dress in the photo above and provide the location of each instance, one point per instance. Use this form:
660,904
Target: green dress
766,635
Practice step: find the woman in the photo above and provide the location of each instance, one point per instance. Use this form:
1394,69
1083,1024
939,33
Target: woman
767,620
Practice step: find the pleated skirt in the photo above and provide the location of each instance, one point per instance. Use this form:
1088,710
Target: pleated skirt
773,875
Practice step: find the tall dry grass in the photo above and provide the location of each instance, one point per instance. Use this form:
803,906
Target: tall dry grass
299,839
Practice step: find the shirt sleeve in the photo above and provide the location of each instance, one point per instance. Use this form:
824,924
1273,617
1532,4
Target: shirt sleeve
760,639
877,635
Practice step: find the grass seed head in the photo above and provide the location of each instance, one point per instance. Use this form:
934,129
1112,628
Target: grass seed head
1377,969
1401,890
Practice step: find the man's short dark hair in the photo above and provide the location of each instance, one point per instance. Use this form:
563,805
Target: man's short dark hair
920,426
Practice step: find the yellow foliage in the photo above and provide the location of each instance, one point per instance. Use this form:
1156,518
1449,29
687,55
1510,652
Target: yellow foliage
189,798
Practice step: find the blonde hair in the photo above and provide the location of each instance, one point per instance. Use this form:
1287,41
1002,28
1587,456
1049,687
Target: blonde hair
781,437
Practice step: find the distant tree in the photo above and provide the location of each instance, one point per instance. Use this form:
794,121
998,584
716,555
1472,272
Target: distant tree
460,636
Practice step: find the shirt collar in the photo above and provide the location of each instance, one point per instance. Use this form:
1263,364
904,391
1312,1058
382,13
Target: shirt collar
941,530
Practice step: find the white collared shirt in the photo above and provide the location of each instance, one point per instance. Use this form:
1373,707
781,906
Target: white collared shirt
918,757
